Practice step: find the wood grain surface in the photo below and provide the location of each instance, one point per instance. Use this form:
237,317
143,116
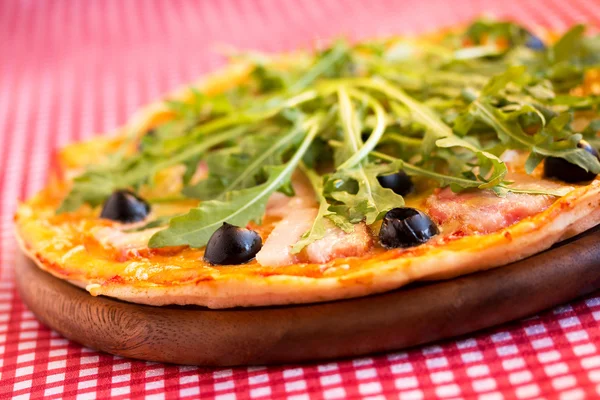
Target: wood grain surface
390,321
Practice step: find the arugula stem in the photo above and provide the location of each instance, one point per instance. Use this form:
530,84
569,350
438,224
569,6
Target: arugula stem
196,227
199,148
409,141
259,161
425,172
337,52
250,116
313,129
422,113
348,118
375,136
417,170
489,118
462,181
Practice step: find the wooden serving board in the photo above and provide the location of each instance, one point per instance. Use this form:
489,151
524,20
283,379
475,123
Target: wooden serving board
286,334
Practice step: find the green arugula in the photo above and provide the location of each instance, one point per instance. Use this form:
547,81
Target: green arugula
442,112
324,217
238,208
98,182
548,142
370,201
491,169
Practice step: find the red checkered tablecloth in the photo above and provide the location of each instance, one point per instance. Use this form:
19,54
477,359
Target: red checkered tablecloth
72,69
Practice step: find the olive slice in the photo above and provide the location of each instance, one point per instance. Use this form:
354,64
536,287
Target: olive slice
406,227
560,168
125,206
232,245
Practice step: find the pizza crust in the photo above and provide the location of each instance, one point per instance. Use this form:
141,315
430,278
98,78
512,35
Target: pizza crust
568,216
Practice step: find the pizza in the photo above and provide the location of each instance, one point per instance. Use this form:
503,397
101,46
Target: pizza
320,175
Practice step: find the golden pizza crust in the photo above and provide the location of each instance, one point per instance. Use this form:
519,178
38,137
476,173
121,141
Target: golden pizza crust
62,247
568,216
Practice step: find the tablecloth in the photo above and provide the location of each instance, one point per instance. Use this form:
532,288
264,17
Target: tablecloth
72,69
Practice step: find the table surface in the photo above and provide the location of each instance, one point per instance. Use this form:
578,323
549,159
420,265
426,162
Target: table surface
70,70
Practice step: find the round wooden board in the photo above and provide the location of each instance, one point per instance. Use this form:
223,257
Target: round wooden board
389,321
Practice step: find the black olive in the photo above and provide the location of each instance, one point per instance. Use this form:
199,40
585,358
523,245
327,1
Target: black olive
406,227
125,206
535,43
231,245
560,168
399,182
365,135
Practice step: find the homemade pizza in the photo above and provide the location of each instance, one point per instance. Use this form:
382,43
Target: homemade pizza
324,175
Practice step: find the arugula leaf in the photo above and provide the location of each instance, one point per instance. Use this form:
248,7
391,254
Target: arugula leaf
567,46
509,132
513,75
487,30
439,134
260,112
533,160
350,125
458,184
324,217
207,189
442,111
328,62
238,208
371,201
436,128
98,182
360,153
242,166
541,145
260,159
268,79
489,164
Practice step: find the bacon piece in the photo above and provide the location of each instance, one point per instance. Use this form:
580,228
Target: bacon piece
299,213
482,211
276,250
337,244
